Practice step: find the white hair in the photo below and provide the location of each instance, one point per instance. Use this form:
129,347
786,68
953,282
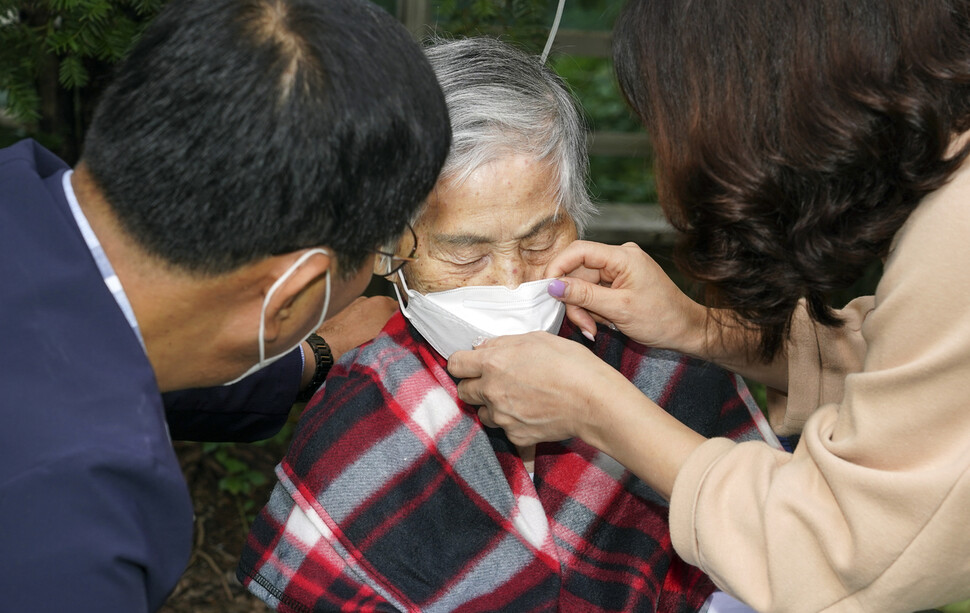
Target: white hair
503,102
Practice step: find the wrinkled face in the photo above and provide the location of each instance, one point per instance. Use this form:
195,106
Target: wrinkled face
499,227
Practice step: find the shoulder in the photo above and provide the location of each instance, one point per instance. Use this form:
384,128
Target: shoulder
921,288
28,156
395,355
365,387
942,215
394,335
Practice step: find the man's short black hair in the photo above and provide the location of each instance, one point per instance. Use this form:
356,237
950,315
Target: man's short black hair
239,129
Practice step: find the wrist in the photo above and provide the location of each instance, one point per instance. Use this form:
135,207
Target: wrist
320,359
644,438
605,413
693,335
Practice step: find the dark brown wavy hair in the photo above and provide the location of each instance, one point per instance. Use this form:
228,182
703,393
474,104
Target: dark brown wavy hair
793,137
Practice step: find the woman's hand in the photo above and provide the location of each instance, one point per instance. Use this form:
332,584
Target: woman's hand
540,387
624,287
536,386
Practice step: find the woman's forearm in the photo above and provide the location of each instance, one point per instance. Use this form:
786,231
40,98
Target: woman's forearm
637,433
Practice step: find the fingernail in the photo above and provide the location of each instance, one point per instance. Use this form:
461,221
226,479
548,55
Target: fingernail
589,335
557,288
479,341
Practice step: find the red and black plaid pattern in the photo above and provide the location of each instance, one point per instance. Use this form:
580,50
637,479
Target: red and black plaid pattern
394,497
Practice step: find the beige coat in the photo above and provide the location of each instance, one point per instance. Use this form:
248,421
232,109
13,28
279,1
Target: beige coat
872,511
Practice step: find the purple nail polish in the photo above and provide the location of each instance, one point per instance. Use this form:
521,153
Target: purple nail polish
557,288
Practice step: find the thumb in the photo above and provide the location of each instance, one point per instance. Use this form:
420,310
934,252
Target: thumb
576,292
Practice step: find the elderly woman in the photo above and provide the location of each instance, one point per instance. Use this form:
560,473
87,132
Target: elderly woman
393,496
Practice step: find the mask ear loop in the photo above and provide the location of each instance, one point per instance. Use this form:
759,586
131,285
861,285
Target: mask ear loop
400,301
326,301
552,33
276,284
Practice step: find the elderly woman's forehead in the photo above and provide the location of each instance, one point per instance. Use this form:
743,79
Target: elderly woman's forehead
501,174
511,163
510,181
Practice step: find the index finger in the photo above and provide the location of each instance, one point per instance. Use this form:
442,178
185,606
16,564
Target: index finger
585,254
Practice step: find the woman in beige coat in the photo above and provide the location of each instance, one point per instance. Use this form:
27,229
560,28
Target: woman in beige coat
797,143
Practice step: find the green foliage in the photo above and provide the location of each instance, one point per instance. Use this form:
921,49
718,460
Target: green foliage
525,22
612,178
69,33
240,478
20,53
594,83
959,607
52,52
629,180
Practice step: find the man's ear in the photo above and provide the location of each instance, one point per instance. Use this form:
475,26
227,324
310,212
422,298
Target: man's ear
301,289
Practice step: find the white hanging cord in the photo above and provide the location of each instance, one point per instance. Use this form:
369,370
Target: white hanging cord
552,33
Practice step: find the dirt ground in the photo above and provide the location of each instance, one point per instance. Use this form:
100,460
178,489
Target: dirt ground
209,584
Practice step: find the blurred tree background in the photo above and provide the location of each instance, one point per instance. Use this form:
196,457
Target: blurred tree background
57,55
55,58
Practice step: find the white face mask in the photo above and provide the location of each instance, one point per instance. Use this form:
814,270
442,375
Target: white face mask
461,318
263,360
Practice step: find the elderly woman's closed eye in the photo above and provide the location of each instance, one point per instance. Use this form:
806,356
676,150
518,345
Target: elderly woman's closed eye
500,225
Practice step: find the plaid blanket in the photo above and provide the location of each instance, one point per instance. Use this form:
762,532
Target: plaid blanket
394,497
